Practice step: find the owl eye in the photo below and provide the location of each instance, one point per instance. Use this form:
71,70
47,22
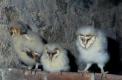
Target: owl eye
91,35
11,30
82,39
88,35
48,53
81,35
88,39
54,53
11,33
56,49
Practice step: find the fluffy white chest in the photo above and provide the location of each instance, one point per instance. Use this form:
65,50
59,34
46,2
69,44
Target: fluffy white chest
90,56
94,54
55,65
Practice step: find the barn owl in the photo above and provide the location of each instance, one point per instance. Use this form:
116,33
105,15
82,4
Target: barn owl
28,45
92,46
54,58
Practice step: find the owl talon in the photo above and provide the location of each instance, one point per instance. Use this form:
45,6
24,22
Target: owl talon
83,73
61,72
79,71
30,67
33,72
104,76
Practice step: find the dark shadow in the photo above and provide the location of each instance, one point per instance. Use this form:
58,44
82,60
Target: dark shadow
115,2
44,40
87,3
39,67
72,62
94,68
114,66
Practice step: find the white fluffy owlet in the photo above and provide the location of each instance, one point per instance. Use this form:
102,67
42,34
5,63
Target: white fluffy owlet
92,46
54,58
28,45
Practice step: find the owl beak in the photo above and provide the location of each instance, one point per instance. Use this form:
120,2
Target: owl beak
85,46
85,43
51,57
36,56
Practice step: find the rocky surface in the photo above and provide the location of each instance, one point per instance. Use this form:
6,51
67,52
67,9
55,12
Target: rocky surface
14,74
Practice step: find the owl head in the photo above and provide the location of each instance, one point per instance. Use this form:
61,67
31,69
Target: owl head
15,31
52,51
86,36
18,28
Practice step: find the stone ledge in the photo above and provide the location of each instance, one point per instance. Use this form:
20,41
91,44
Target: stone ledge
17,74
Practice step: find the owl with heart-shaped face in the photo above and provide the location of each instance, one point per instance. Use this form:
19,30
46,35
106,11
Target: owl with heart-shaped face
92,46
54,58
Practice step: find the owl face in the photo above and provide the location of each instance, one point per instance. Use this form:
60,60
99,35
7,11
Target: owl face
52,53
15,31
86,40
33,55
